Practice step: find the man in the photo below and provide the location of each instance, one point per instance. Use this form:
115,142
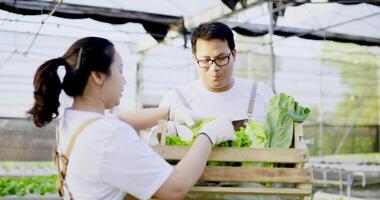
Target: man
218,93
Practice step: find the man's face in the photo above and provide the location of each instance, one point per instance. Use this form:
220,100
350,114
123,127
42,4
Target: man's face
209,54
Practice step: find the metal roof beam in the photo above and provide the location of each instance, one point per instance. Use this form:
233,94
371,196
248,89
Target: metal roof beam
156,24
259,30
218,12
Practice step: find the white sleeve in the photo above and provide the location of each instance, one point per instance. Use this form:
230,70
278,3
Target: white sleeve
132,166
171,98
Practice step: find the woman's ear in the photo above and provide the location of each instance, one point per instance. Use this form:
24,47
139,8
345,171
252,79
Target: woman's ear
98,78
194,58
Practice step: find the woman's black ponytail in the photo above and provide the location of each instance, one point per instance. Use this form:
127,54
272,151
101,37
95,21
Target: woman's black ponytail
47,87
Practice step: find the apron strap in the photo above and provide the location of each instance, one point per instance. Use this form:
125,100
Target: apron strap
181,98
252,99
64,159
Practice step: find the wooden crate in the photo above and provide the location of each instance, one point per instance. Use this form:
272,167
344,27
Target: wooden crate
296,175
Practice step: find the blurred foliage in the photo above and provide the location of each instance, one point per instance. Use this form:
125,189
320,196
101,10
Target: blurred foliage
28,185
359,71
362,139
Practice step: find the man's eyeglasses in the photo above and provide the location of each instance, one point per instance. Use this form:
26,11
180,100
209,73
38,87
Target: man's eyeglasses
220,61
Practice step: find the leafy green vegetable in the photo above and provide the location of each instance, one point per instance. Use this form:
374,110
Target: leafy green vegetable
243,139
282,112
257,133
176,141
28,185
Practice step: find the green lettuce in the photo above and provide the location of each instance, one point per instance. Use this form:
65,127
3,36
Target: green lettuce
282,112
258,135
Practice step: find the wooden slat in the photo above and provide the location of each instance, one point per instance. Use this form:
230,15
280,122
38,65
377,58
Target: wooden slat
277,155
265,191
162,125
298,128
273,175
298,135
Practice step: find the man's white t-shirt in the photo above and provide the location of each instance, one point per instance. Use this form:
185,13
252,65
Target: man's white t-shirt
109,159
232,104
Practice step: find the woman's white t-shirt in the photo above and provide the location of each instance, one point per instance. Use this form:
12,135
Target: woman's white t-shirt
109,159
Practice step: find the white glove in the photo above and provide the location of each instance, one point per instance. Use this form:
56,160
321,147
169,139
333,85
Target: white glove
181,114
219,130
171,129
153,138
184,132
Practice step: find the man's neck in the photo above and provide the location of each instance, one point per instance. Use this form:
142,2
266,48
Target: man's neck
222,89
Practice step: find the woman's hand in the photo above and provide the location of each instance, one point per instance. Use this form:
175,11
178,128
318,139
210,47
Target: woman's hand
181,114
218,131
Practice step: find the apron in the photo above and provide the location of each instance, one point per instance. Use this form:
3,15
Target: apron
63,160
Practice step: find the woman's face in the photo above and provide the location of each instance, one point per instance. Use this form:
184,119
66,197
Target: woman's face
113,86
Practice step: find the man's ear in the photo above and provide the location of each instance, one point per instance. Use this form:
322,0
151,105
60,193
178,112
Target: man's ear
195,59
234,54
98,77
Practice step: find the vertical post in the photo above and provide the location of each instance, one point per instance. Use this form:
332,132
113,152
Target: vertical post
163,128
378,105
340,182
250,65
349,184
271,51
139,80
320,115
298,135
378,130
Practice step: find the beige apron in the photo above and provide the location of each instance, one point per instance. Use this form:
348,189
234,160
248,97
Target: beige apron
64,159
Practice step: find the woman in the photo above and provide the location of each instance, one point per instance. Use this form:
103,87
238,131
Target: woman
101,155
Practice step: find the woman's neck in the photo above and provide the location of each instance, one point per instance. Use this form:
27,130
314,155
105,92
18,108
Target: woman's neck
88,104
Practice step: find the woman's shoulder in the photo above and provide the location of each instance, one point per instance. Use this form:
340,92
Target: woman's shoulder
111,121
103,124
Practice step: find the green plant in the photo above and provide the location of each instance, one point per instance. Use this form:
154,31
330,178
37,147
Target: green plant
27,185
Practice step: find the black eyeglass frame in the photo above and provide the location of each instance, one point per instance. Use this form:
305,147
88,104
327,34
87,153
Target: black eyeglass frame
214,61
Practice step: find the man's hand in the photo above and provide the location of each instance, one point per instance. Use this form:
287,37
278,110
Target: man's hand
181,114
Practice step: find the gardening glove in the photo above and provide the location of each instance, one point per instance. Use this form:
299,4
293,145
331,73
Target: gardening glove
218,131
153,138
181,114
184,132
